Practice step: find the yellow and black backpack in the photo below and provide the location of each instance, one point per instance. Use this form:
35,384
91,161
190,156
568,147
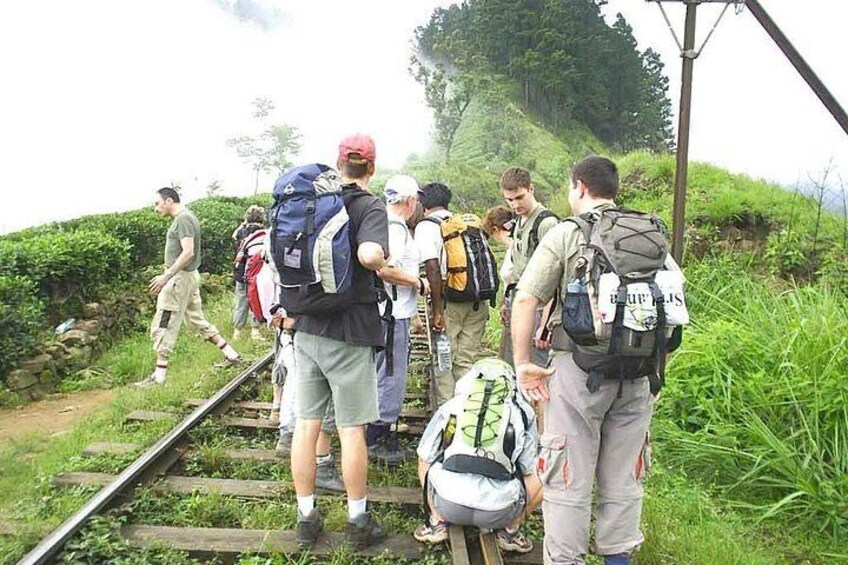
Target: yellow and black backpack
472,272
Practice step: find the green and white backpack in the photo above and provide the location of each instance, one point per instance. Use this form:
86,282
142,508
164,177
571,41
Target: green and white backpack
480,437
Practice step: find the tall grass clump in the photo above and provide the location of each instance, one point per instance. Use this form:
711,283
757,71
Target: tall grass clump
757,400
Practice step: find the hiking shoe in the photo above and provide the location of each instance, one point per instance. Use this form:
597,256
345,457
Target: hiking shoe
364,531
429,533
226,362
149,381
620,559
284,445
274,417
389,451
327,478
308,528
513,541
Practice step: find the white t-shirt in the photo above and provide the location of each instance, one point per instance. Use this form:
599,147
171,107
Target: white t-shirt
428,237
403,253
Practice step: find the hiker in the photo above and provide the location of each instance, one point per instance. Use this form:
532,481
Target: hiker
334,347
460,284
284,378
498,224
403,286
597,416
250,238
481,484
284,375
177,290
532,222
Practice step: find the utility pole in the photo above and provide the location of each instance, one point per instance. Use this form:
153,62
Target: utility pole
688,53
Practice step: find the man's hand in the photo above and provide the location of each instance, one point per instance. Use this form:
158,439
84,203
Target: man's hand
439,322
276,319
504,315
425,286
533,380
157,284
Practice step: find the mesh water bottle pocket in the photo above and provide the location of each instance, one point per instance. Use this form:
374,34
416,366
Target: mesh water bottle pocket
577,318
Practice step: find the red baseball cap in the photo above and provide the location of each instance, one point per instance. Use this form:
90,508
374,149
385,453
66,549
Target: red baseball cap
357,143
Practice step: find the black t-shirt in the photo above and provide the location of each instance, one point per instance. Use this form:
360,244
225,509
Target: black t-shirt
359,324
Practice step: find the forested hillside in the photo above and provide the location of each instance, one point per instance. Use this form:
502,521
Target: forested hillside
566,64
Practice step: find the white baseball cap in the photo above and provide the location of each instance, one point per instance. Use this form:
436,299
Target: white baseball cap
399,187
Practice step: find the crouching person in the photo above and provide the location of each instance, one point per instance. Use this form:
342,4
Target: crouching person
477,459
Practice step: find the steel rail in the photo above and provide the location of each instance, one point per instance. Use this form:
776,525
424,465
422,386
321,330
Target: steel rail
50,545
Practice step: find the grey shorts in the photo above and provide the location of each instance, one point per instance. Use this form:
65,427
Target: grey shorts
333,371
462,515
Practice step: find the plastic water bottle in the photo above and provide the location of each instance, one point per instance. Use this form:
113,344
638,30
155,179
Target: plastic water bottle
65,326
443,353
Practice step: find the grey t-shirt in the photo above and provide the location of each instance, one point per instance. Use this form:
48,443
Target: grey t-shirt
185,224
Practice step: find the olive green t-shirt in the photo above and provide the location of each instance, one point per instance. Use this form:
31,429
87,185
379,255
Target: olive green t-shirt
185,224
521,251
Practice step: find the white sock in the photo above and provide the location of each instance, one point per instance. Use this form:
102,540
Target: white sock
356,508
160,373
305,504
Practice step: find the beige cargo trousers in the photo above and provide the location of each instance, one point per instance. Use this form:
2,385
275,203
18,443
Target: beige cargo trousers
178,300
465,327
591,437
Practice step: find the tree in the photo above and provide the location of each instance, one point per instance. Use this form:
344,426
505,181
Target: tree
448,95
272,149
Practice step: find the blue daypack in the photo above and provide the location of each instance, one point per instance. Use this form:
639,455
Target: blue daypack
310,240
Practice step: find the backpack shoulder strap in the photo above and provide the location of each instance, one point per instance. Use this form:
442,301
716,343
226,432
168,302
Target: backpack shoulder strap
436,221
585,222
534,230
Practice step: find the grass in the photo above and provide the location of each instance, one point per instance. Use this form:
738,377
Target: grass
683,521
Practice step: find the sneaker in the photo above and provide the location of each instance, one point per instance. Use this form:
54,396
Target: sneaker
256,335
389,451
429,533
236,333
149,381
308,528
513,541
327,478
284,445
620,559
274,417
364,531
226,362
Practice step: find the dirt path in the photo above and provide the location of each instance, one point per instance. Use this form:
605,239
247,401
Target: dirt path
52,415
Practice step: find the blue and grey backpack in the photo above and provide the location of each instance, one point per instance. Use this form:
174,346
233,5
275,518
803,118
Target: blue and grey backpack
310,240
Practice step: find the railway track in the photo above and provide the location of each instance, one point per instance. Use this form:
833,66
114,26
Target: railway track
157,469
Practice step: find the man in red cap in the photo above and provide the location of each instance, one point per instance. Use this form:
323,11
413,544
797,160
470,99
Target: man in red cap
334,355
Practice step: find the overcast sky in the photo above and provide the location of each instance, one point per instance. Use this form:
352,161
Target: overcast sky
102,102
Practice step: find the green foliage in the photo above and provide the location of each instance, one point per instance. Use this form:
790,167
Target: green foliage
20,320
142,229
757,401
67,267
571,66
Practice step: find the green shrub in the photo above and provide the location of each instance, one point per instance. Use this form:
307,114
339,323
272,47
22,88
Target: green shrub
142,229
20,320
67,267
